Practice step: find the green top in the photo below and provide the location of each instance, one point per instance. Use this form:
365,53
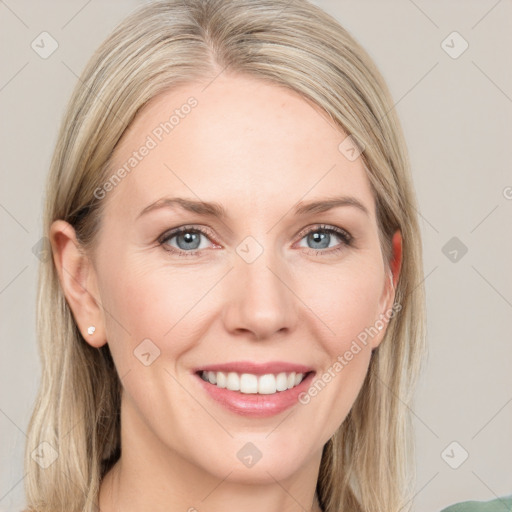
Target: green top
503,504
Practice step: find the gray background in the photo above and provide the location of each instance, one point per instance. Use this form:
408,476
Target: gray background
456,114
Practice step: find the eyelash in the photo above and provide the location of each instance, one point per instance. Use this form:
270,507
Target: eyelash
345,236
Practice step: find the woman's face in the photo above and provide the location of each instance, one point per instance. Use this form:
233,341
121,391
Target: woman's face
273,286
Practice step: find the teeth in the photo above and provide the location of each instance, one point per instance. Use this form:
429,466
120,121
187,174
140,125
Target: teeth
233,382
267,384
221,379
282,382
248,383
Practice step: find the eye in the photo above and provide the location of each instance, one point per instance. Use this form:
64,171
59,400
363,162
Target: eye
321,238
187,240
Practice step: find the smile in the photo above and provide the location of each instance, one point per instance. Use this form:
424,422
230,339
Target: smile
249,383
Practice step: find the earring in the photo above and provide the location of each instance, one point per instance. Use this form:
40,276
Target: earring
91,329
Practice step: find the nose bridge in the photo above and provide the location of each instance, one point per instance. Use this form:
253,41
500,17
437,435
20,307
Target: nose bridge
261,301
262,278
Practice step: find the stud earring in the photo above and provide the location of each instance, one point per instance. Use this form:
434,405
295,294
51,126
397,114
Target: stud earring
91,329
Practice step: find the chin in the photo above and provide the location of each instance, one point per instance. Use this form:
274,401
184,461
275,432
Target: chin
252,459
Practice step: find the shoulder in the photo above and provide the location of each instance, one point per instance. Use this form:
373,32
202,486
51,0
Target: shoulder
503,504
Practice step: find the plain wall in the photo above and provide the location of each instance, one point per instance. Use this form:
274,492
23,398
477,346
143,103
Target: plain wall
457,118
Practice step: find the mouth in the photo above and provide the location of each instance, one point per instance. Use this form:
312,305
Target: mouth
250,383
255,390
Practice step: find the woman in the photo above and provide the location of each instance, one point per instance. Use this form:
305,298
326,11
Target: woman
233,317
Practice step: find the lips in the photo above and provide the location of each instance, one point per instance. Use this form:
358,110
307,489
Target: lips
240,367
255,389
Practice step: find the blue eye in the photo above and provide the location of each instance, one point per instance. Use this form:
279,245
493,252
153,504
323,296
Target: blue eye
321,237
188,240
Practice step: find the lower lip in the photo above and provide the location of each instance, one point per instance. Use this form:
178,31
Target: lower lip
256,405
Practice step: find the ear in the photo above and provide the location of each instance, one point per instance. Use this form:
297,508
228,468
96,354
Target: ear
388,294
396,260
78,282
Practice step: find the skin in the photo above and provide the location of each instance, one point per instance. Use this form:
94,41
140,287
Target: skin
257,149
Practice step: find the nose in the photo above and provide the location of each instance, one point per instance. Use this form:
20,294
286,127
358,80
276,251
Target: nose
261,303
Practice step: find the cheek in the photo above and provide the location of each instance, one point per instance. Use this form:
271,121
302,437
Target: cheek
347,299
144,300
347,302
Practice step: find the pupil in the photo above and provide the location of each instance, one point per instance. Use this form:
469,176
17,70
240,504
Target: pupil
189,238
320,238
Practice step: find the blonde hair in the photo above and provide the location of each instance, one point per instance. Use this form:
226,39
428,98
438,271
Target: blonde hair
368,464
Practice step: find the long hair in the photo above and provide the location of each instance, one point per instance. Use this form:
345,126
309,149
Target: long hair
368,464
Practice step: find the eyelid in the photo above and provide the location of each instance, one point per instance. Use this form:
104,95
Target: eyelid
346,237
205,230
341,232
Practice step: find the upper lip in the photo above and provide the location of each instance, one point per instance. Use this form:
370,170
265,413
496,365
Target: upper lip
254,368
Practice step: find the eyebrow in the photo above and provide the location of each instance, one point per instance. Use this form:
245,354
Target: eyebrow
213,209
323,205
209,209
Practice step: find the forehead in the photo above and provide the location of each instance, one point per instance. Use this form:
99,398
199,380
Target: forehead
237,137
